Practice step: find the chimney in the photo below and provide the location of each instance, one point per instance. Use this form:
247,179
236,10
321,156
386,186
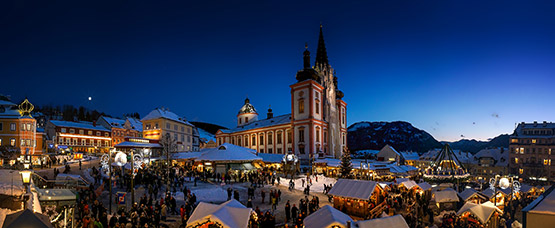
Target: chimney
535,123
348,224
545,123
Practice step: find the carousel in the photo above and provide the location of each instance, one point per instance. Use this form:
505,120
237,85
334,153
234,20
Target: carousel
446,167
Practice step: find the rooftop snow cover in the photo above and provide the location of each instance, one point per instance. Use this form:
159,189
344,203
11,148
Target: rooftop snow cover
464,157
205,135
229,214
83,124
278,120
135,123
545,204
410,155
327,216
357,189
271,158
114,122
501,158
138,145
396,221
228,152
424,186
519,131
55,194
409,184
482,211
468,193
165,114
6,103
446,196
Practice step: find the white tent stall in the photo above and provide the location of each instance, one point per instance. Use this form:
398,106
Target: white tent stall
230,214
541,212
445,199
486,213
327,216
396,221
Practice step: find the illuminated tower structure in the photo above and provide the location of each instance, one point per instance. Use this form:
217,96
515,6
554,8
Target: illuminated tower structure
318,117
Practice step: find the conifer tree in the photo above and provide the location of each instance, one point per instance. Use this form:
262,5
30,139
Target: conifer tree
346,165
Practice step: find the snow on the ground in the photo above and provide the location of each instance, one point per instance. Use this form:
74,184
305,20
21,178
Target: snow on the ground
317,186
35,203
87,175
213,194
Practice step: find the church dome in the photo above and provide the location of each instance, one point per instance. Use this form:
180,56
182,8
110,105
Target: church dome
307,74
247,108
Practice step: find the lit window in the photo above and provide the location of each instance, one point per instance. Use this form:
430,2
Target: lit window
516,160
545,162
514,140
89,132
81,132
12,127
301,105
522,150
533,141
12,142
521,171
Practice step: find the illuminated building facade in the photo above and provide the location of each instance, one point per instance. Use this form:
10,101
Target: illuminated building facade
160,122
120,129
531,146
79,136
18,128
316,125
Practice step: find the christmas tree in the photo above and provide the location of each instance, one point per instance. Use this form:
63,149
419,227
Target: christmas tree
346,165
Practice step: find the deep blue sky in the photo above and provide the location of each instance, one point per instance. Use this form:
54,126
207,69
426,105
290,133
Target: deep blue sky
452,68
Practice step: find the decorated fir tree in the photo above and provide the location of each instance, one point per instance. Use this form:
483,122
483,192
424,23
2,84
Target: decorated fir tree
346,165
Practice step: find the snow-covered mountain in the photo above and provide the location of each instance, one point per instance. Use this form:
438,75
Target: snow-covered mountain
473,146
401,135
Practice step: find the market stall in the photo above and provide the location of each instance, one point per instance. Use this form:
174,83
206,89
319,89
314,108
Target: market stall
541,212
356,197
486,214
327,217
471,195
446,199
228,158
230,214
396,221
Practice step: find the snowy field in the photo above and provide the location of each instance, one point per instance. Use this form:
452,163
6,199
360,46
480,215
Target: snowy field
317,186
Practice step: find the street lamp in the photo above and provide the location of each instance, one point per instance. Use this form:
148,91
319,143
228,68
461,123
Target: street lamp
26,179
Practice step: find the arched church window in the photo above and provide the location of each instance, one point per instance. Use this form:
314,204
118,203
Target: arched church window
301,105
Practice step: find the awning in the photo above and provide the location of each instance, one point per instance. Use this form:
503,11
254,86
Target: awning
244,166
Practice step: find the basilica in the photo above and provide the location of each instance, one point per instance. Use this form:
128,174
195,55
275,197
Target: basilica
316,126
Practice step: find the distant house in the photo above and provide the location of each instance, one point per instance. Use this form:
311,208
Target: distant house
491,162
160,122
120,128
388,153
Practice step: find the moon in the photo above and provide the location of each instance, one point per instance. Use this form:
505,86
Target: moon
90,98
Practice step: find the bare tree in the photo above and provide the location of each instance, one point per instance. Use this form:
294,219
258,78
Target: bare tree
169,146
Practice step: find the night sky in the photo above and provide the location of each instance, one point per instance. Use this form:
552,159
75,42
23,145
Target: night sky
452,68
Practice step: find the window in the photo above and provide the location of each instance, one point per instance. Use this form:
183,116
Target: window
301,134
240,120
63,130
89,132
74,142
516,160
233,140
188,138
0,142
98,133
1,126
546,161
279,151
175,136
98,142
156,126
23,142
279,134
325,137
106,134
72,131
147,126
253,141
168,126
301,149
270,151
12,127
317,134
521,171
12,142
239,141
261,150
317,107
289,137
60,140
175,127
301,105
67,141
81,132
246,141
261,140
182,138
182,129
83,142
270,139
514,140
246,119
534,141
29,127
522,150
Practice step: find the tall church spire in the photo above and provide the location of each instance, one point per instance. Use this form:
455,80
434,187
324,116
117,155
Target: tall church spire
321,54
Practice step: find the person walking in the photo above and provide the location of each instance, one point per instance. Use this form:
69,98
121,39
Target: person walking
262,194
287,211
229,191
294,212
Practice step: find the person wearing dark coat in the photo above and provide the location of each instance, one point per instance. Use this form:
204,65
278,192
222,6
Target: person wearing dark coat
294,212
287,211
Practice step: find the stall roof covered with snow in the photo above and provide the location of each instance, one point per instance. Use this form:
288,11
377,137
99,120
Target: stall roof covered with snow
228,152
482,211
271,158
356,189
470,193
446,196
396,221
327,216
230,214
26,219
424,186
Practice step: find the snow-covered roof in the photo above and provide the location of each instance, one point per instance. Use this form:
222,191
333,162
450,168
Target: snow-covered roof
500,155
138,145
468,193
229,214
464,157
114,122
82,124
522,127
327,216
55,194
446,196
247,108
278,120
26,218
409,184
488,193
271,158
228,152
482,211
410,155
357,189
396,221
160,113
424,186
401,168
6,103
206,135
545,204
135,124
185,155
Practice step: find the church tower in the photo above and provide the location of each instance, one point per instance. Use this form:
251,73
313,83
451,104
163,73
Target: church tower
247,114
317,108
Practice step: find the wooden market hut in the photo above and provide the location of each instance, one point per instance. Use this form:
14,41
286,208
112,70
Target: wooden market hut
471,195
354,197
485,214
327,217
540,212
231,214
396,221
446,199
